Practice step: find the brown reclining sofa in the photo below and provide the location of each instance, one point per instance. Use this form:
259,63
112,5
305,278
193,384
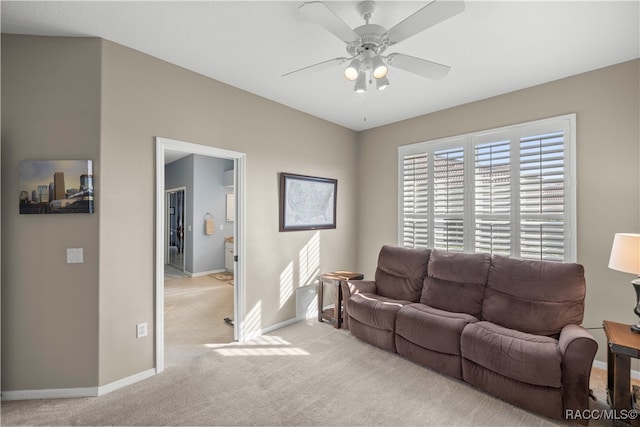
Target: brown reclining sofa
510,327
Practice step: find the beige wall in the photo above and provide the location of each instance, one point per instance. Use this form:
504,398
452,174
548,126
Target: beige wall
87,98
50,111
606,102
143,97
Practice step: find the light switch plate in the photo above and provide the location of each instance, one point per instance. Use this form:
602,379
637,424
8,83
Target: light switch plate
75,256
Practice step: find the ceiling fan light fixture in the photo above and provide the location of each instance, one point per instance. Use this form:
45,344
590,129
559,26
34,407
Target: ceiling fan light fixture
379,67
366,44
361,82
382,83
353,70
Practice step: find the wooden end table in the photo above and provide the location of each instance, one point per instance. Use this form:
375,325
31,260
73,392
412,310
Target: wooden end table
335,278
622,345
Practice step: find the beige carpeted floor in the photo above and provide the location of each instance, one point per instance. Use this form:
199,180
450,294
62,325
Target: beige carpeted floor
307,373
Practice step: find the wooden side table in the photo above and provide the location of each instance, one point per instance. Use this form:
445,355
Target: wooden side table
622,345
335,278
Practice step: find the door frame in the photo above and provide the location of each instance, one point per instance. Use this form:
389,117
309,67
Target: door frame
239,160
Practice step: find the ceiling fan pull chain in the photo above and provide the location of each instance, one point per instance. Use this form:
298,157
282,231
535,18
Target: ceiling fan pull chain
364,107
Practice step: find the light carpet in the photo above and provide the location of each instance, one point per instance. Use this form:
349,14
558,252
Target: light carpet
306,374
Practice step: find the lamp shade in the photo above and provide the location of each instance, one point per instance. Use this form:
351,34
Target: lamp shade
625,253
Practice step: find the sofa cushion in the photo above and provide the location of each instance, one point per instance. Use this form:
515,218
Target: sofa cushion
538,297
400,272
375,310
527,358
431,328
456,281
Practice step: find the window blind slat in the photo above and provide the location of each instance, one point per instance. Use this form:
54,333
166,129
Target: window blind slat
492,197
415,206
515,179
542,197
448,199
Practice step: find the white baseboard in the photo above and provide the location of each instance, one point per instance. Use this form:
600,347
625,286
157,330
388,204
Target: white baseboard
279,325
105,389
271,328
50,393
603,365
67,393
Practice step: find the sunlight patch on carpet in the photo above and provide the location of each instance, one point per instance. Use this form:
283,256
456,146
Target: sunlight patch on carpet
261,351
266,345
264,340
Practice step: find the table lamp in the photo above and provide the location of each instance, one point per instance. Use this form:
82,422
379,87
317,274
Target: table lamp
625,257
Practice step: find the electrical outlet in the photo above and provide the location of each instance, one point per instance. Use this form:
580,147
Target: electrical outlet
141,330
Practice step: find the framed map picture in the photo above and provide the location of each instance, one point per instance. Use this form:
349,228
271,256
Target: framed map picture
307,202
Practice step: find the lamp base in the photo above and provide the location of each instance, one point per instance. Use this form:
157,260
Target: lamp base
636,286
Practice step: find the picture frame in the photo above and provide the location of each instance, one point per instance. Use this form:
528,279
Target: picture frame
55,186
307,202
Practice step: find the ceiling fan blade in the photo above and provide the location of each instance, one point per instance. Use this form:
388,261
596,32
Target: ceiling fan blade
317,67
322,15
430,15
419,66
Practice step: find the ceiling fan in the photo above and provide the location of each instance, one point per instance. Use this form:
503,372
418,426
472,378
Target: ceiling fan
367,43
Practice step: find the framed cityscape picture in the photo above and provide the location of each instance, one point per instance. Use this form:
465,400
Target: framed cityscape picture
307,202
56,186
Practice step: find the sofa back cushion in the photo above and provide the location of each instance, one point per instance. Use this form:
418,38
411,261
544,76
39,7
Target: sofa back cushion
456,281
537,297
400,272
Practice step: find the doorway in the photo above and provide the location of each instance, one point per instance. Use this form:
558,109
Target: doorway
168,146
175,214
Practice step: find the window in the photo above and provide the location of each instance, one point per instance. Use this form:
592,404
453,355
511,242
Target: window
507,191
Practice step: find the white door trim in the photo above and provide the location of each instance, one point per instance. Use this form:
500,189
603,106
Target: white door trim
239,159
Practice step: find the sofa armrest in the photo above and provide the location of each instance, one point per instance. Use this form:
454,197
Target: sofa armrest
352,287
578,349
357,287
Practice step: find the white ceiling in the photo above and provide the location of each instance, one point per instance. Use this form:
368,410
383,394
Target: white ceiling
493,47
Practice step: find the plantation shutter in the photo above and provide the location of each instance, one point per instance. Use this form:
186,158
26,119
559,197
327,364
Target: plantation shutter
448,199
542,196
492,196
415,201
506,191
